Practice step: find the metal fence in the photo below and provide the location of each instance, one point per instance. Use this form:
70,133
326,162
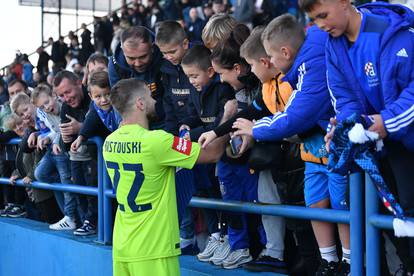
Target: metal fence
373,221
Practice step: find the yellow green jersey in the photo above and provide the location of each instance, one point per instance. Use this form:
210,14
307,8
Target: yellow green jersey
141,165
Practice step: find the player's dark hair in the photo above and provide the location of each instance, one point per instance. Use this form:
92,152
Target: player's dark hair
125,92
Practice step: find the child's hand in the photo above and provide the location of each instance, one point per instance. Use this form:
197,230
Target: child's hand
247,143
378,126
183,127
27,180
56,149
187,135
243,126
12,179
76,144
206,138
31,141
43,142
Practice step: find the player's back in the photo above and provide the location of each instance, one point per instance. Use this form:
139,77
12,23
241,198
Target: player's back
141,164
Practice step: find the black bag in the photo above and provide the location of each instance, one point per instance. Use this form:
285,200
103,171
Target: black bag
289,177
267,155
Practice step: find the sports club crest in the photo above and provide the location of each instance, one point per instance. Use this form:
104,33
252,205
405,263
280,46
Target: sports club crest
370,71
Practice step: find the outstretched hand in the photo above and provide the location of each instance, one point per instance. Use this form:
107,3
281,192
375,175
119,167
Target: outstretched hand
244,127
206,138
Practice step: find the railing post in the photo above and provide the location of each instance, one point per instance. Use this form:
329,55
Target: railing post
356,184
372,233
107,205
100,168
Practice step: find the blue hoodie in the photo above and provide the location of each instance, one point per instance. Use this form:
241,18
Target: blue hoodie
119,69
309,105
377,79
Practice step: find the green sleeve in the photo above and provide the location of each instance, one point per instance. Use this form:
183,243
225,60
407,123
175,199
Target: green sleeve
169,150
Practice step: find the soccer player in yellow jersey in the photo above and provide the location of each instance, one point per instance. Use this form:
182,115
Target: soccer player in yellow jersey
141,164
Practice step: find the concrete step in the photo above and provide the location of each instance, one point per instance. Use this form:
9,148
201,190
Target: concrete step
30,248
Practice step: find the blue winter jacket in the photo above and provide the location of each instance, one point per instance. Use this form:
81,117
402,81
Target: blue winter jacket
309,104
393,97
119,69
176,93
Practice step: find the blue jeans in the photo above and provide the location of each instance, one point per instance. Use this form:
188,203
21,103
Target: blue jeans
186,182
184,189
237,183
88,204
187,229
53,167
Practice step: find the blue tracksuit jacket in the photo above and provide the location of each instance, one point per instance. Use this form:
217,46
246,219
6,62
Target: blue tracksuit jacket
379,79
310,103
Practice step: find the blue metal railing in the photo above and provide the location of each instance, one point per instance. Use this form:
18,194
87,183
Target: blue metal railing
354,217
373,223
73,188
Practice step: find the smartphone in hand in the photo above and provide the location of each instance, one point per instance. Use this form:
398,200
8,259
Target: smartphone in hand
235,144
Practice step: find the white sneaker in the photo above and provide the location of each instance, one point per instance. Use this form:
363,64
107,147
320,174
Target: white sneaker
64,224
208,252
222,251
236,258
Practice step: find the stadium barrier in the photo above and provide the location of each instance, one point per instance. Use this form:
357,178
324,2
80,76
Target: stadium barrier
373,220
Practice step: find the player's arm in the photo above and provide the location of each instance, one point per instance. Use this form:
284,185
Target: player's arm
169,150
213,152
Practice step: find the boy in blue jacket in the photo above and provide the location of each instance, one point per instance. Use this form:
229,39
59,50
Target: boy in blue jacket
370,71
205,111
208,94
302,59
173,44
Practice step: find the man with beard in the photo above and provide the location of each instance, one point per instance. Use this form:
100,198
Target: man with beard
141,164
137,57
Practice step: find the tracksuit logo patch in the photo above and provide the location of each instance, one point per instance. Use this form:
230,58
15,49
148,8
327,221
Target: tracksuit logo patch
370,71
402,53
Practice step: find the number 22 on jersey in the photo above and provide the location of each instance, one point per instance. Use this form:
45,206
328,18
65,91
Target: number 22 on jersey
135,187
